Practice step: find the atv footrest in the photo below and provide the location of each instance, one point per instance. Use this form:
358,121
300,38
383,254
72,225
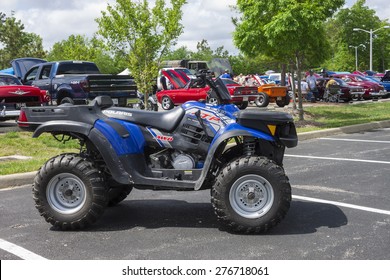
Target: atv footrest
177,174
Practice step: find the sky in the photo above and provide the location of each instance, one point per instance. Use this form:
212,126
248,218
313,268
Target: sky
56,20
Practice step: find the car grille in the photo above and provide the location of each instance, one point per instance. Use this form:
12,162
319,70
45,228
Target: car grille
19,99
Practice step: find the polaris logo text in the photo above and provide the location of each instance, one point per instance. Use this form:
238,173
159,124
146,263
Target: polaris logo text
117,113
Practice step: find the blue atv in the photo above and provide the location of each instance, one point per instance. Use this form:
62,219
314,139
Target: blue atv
238,154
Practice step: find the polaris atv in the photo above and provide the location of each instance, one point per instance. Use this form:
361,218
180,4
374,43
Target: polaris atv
238,154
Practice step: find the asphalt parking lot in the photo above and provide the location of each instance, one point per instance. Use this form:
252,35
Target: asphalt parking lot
340,211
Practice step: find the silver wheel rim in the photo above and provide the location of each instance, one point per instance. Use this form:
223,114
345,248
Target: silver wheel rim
66,193
260,100
251,196
166,103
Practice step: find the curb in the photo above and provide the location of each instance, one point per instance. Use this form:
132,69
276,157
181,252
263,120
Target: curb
345,129
20,179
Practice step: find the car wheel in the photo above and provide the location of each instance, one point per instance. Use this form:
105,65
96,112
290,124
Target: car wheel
67,100
166,103
262,100
242,105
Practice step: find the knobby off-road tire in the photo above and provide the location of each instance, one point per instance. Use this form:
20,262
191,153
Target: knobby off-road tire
69,192
251,195
118,194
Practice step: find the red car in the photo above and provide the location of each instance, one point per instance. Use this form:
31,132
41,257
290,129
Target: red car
14,95
372,89
347,91
184,90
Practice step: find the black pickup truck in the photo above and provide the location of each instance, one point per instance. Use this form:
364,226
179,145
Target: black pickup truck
78,82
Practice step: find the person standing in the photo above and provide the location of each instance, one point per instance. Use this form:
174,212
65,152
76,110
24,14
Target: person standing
226,74
311,81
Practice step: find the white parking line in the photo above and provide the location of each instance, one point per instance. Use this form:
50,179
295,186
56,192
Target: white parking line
339,159
347,205
19,251
356,140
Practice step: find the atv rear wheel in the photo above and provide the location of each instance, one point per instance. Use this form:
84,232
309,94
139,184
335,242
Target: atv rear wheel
251,195
69,192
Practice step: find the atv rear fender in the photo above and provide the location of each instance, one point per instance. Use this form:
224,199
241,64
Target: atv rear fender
96,137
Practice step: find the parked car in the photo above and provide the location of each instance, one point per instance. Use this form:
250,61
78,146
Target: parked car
21,65
271,92
194,89
381,81
372,89
78,82
347,92
14,95
185,73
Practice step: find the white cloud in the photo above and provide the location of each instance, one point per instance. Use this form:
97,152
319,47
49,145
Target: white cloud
56,20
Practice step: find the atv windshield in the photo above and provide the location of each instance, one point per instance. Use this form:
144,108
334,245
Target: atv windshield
222,91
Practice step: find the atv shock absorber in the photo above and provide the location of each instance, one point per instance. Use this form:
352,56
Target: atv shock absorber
249,146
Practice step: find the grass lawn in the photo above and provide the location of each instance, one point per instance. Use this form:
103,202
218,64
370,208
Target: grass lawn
316,117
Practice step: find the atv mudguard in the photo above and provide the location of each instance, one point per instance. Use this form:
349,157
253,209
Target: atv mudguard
97,138
230,131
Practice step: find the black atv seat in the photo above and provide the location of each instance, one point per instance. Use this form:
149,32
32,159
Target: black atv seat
166,121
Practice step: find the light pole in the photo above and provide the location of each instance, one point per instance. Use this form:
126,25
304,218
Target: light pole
356,56
371,32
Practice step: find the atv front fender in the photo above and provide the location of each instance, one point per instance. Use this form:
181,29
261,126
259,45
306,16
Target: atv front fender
231,131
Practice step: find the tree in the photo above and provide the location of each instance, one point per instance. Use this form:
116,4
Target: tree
285,30
78,47
16,42
142,34
343,36
180,53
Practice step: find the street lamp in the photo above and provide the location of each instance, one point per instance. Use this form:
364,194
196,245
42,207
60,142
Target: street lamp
371,32
356,56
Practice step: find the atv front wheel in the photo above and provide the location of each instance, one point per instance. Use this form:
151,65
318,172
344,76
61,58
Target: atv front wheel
251,195
69,192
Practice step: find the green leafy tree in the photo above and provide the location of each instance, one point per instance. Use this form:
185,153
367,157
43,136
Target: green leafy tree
177,54
78,47
142,33
285,30
15,42
342,36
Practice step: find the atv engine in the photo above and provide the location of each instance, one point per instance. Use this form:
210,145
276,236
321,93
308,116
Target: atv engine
169,159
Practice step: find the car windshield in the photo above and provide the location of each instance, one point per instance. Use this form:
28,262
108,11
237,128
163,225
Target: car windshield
9,80
361,79
341,82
